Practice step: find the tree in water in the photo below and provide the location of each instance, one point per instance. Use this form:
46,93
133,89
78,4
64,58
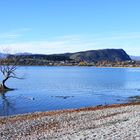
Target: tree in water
8,67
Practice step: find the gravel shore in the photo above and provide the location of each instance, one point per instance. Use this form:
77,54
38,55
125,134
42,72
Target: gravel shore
115,122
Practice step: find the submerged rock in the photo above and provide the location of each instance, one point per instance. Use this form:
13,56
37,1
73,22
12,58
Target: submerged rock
134,99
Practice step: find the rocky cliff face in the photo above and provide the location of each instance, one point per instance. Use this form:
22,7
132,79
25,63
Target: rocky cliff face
111,55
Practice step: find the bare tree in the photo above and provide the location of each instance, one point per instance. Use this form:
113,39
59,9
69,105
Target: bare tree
8,67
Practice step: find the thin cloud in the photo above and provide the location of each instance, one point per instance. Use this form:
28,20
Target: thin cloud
15,34
74,43
9,35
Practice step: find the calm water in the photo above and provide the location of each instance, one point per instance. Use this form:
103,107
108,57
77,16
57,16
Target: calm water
53,88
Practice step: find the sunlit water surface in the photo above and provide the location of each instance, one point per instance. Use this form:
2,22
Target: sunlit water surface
54,88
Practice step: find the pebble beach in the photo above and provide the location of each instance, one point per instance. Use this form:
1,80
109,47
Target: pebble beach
114,122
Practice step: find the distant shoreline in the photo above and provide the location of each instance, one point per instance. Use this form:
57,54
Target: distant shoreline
75,66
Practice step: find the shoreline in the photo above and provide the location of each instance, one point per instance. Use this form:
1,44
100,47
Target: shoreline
57,112
76,66
119,121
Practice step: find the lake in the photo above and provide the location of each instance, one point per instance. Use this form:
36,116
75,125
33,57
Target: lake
54,88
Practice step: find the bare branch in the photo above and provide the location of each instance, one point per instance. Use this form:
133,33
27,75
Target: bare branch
15,77
8,67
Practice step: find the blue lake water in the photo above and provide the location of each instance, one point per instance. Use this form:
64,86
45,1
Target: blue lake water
54,88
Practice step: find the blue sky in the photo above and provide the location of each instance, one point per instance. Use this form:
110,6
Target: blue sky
57,26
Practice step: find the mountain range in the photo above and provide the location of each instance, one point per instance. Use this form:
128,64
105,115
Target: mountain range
110,55
135,58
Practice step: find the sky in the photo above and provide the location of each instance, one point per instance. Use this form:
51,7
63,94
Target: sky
59,26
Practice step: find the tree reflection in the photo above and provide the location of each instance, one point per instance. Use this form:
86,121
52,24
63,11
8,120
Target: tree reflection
6,106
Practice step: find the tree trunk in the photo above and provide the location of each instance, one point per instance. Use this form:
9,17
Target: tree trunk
3,87
3,83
